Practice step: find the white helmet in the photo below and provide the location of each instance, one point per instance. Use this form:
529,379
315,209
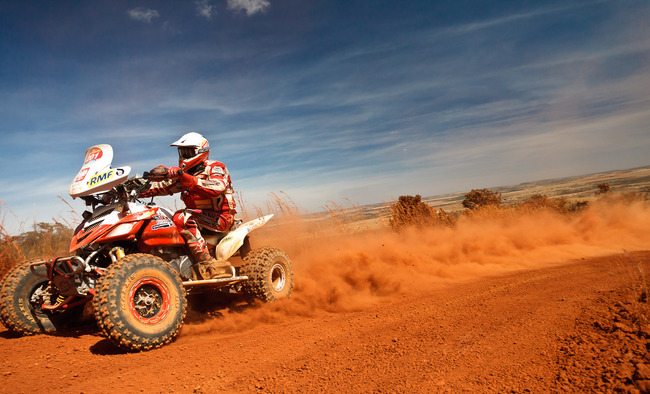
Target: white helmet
193,149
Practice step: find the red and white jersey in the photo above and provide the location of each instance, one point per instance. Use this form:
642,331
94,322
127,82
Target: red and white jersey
207,187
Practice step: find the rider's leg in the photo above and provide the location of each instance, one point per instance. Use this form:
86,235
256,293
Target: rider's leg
207,267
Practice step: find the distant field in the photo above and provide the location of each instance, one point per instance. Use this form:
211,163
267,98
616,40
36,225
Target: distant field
582,187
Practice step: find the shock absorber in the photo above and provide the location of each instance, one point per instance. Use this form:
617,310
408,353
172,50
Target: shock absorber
116,253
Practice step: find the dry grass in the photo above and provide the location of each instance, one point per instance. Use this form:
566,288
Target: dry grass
45,240
279,204
10,252
348,217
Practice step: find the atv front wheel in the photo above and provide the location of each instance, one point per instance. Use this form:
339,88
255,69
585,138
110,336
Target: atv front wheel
140,302
21,296
270,275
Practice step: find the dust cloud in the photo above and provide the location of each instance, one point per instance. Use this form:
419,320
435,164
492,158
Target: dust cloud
337,272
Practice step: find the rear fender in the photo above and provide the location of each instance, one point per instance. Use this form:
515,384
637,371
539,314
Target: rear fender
235,239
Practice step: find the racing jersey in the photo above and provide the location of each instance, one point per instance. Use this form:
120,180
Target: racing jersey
207,187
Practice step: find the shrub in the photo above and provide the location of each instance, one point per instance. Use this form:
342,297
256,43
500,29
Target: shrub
410,210
577,206
603,188
541,201
478,198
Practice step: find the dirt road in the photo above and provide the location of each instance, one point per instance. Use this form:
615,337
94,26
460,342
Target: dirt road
558,328
513,301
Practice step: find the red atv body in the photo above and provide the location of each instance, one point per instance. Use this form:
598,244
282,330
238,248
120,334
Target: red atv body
130,267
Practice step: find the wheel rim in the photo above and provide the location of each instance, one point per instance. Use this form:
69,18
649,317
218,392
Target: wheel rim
149,300
278,277
36,297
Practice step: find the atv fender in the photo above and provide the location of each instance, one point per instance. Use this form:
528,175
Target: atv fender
235,239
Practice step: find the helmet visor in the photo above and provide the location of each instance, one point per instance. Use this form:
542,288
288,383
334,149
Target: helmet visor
186,152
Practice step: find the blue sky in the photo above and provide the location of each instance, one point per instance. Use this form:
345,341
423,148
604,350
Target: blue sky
323,100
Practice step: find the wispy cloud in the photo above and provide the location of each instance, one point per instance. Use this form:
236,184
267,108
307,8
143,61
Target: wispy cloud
494,22
487,99
142,14
251,7
205,9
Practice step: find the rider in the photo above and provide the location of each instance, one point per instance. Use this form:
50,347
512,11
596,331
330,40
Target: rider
207,192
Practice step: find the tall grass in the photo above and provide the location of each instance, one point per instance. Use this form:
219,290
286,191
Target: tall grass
45,240
278,204
348,217
10,253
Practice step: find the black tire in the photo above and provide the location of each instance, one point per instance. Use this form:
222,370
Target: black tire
140,302
20,304
270,275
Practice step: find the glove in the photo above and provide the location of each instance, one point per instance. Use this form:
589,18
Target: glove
157,173
175,172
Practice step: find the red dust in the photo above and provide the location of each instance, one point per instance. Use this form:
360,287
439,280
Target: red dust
350,272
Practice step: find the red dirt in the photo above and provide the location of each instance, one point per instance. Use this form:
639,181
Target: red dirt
536,303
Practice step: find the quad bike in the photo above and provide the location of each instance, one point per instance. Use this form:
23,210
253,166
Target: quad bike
132,266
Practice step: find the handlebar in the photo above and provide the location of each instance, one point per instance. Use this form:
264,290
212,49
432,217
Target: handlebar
131,188
159,175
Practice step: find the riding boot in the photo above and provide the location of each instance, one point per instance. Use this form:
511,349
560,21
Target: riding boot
215,269
207,267
199,251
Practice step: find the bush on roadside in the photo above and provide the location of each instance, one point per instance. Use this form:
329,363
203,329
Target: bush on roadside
479,198
412,211
541,201
603,188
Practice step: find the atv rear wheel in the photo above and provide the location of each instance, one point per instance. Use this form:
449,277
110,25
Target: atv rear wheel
21,295
140,302
270,275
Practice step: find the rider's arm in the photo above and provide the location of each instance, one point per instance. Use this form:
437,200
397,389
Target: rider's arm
161,188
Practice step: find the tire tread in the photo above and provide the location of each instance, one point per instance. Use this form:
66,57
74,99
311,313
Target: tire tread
105,304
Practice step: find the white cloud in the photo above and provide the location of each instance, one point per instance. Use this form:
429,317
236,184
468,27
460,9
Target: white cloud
250,6
205,9
142,14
